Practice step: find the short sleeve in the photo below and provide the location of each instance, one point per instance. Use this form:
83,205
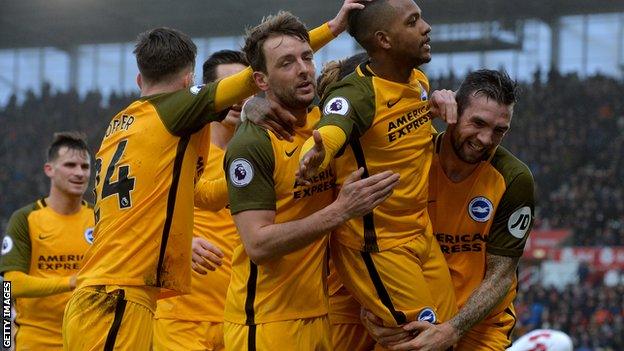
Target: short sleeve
249,164
186,111
350,105
514,217
16,245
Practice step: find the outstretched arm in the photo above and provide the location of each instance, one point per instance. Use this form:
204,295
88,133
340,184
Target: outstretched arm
25,285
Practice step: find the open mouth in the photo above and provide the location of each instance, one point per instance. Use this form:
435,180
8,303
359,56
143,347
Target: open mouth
476,147
426,44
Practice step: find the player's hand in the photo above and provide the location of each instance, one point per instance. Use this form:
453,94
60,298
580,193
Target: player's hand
271,116
429,337
72,282
312,160
443,105
338,24
384,336
358,197
206,256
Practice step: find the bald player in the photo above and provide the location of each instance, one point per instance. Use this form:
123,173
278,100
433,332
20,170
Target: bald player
379,118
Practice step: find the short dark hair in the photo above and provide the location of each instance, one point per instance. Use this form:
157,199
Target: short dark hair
363,23
221,57
163,52
284,23
72,140
495,85
334,71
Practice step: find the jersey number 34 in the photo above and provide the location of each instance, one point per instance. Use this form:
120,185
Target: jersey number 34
124,184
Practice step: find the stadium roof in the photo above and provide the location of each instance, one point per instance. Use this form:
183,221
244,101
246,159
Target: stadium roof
66,23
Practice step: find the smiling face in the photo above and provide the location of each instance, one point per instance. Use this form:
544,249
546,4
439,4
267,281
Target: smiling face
69,172
289,76
480,128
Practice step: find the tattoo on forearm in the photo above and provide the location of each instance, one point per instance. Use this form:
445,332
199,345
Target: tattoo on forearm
498,278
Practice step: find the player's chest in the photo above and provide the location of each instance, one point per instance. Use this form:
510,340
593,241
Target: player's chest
57,245
401,116
467,207
293,194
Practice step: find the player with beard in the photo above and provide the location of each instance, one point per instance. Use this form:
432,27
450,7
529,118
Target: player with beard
277,298
481,203
379,117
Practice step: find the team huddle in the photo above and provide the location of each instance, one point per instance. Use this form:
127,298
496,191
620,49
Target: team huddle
316,215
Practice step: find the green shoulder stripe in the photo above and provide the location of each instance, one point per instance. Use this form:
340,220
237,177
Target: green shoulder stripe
16,245
187,110
349,104
508,165
515,212
249,165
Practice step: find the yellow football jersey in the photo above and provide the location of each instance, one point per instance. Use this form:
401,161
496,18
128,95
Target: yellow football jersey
44,244
490,211
144,192
206,302
144,184
261,176
388,127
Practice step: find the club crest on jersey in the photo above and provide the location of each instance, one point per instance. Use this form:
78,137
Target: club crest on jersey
88,235
7,245
241,172
519,222
195,89
337,105
427,315
480,209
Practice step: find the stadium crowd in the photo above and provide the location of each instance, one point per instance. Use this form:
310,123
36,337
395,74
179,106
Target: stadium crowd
592,313
572,141
569,131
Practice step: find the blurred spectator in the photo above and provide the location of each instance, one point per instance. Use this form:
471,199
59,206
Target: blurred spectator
26,131
569,131
592,314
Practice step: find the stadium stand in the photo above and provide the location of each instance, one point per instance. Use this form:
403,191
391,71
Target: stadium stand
573,141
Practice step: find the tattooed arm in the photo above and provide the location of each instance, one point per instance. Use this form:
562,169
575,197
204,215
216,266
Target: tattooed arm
498,278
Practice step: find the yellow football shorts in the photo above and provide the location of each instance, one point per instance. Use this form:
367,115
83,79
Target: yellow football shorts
310,334
175,334
99,320
407,282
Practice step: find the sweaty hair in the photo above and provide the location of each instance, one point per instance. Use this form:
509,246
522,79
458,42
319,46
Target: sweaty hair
284,23
163,52
495,85
334,71
363,23
70,140
222,57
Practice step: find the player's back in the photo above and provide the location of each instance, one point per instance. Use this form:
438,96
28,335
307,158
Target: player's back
144,191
